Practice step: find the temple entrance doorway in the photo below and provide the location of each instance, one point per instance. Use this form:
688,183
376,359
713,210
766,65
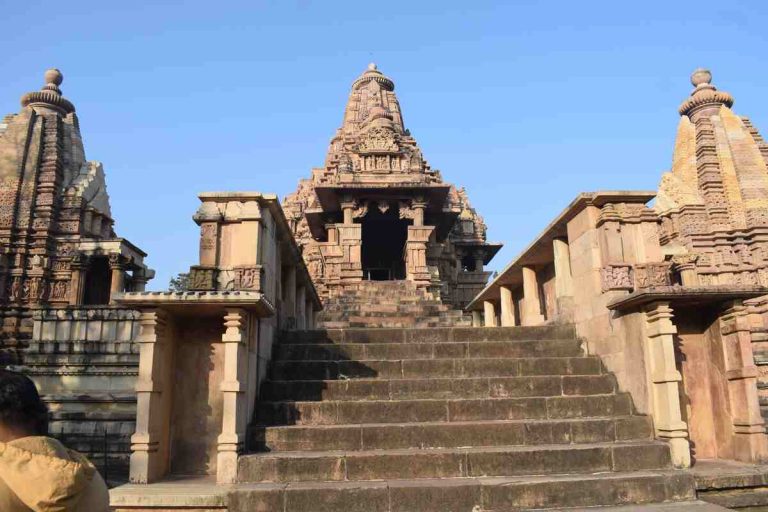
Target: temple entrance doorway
383,250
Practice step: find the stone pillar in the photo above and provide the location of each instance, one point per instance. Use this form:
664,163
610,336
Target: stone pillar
664,382
117,266
479,260
150,450
563,279
289,297
301,303
477,319
140,281
531,314
416,254
507,307
348,208
309,314
685,265
234,421
489,313
77,283
419,206
750,443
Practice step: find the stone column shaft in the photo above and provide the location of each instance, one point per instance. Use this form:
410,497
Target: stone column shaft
563,279
289,296
117,284
489,311
750,443
150,450
664,382
232,437
531,305
507,307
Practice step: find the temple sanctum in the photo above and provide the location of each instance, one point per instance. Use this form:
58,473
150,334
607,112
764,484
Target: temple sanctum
376,211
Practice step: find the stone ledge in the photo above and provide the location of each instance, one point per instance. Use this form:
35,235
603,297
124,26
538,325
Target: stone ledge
687,295
182,493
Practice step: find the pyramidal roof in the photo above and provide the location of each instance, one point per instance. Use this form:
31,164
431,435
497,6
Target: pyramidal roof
720,162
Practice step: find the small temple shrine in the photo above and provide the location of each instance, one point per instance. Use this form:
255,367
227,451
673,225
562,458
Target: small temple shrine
376,211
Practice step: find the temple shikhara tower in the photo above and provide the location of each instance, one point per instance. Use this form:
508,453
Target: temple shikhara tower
57,245
376,211
713,203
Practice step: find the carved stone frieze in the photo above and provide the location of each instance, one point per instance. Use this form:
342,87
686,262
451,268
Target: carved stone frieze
617,276
202,278
248,278
652,274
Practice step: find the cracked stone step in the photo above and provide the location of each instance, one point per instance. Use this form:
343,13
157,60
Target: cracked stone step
489,494
444,335
434,368
385,436
453,462
403,411
476,387
362,351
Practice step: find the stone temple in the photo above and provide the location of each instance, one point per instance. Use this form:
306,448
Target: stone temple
376,211
345,351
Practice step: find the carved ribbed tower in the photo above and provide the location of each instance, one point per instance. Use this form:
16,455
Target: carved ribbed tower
57,245
377,211
714,202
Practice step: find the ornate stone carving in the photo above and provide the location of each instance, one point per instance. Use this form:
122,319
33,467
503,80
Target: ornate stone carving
616,277
208,235
405,210
378,140
652,274
60,290
202,278
248,278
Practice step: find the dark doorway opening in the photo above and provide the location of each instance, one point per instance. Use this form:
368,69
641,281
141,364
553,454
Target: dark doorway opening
383,251
98,280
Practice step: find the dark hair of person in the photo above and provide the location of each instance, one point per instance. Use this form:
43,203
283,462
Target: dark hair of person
20,405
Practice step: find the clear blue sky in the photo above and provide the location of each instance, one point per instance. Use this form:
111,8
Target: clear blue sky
524,103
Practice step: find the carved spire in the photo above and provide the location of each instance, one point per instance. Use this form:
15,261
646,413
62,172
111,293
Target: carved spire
705,96
50,95
372,100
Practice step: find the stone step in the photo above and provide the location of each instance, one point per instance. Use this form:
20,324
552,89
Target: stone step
435,368
451,435
334,412
362,465
487,494
453,350
442,335
478,387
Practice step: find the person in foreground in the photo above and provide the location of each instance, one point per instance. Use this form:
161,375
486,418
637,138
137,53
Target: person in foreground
37,472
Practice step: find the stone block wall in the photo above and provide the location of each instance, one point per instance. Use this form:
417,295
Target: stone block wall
85,362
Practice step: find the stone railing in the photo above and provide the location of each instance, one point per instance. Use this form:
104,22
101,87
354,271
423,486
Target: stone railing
642,309
85,362
203,353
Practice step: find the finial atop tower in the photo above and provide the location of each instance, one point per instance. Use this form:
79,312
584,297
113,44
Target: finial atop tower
372,73
705,96
50,94
701,76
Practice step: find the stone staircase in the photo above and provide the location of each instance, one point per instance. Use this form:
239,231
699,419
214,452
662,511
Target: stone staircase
388,304
448,419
